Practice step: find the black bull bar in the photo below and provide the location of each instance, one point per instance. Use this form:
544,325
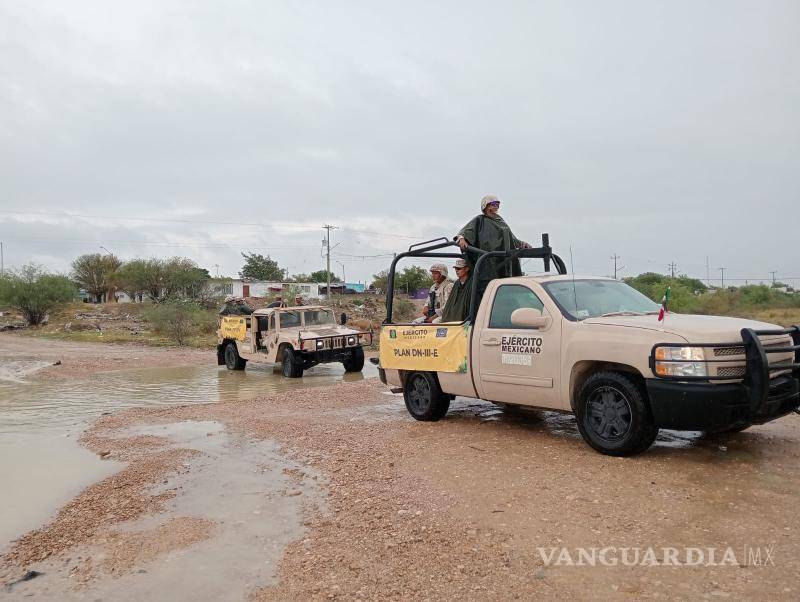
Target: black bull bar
762,390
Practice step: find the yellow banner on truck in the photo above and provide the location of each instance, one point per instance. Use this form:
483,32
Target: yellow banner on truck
428,347
233,327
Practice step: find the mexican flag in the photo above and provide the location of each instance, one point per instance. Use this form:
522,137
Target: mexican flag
664,305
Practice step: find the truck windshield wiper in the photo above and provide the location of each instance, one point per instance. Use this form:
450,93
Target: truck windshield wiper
622,313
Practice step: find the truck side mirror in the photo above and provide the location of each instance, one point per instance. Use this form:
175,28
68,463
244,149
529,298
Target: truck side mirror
528,317
343,319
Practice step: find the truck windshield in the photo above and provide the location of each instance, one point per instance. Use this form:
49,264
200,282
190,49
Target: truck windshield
319,317
583,299
289,318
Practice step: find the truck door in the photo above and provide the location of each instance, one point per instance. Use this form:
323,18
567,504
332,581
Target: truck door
518,364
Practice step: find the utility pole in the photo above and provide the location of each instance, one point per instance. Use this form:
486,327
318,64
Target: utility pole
2,265
328,228
672,267
344,278
615,257
216,266
773,272
722,272
708,273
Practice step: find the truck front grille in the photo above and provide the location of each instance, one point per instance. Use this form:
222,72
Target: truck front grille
725,351
732,371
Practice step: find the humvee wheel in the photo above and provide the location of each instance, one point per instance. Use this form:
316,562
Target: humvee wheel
233,360
355,363
612,415
292,364
424,399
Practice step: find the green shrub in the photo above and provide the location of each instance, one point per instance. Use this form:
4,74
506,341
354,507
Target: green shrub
180,320
34,292
404,311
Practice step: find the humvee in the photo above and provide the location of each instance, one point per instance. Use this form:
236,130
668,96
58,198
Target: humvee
593,347
298,338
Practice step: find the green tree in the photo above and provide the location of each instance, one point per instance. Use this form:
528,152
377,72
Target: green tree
380,280
683,296
95,273
182,279
164,280
258,267
132,278
322,276
302,278
413,278
34,292
410,279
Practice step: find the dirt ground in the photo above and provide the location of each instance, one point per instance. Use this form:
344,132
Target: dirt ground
467,508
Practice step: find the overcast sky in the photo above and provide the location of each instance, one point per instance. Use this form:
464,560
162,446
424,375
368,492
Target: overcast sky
658,131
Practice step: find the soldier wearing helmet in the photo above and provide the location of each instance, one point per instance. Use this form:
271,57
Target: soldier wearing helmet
437,296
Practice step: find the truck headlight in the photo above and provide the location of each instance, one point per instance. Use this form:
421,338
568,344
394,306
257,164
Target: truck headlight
320,344
680,361
351,340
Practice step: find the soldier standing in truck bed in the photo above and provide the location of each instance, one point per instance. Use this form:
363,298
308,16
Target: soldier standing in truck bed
489,232
235,306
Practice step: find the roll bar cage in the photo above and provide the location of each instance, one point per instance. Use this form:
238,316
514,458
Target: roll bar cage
435,249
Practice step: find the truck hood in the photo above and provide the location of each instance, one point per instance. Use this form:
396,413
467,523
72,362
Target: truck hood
695,329
327,331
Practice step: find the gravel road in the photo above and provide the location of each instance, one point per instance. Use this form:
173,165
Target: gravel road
483,505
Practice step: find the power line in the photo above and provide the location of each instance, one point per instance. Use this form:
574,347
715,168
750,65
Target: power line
281,226
155,243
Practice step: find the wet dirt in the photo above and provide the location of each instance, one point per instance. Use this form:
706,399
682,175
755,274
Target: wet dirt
41,420
446,510
236,505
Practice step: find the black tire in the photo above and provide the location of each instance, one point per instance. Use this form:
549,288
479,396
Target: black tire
233,361
292,364
424,399
355,362
613,416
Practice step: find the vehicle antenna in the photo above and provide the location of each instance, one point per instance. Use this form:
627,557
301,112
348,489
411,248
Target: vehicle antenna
572,269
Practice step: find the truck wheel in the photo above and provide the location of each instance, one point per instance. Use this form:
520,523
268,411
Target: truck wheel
424,399
233,361
292,364
612,415
355,363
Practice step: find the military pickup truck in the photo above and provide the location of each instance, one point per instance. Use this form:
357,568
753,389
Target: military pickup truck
593,347
298,338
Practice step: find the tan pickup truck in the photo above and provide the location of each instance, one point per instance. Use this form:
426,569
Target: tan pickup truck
298,338
593,347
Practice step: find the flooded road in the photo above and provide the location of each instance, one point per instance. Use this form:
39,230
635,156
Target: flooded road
41,464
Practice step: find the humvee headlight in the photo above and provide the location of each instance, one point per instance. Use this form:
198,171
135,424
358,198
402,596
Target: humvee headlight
680,361
320,344
351,340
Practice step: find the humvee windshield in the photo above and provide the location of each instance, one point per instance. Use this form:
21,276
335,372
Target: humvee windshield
319,317
583,299
289,318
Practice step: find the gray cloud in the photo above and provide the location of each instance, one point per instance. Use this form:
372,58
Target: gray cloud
659,131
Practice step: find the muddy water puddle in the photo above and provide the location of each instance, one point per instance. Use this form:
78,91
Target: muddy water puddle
239,503
40,422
